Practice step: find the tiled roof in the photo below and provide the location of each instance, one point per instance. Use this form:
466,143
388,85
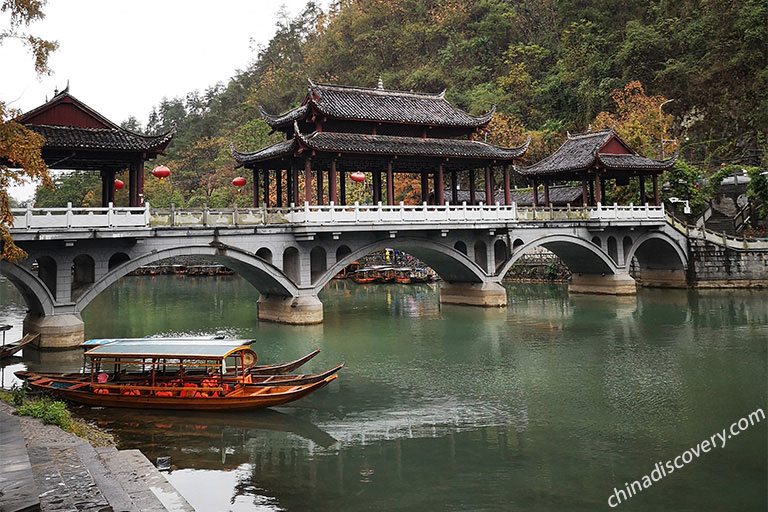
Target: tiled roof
581,152
577,153
283,121
407,146
364,104
67,137
280,150
634,162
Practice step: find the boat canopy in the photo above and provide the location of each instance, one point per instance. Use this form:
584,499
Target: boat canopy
174,348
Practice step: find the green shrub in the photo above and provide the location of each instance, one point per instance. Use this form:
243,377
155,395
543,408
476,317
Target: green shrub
49,411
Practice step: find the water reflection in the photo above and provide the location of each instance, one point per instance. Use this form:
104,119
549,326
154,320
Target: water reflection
544,405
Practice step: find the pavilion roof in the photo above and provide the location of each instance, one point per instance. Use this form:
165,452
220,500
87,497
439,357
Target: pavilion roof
382,105
583,151
69,137
382,145
67,123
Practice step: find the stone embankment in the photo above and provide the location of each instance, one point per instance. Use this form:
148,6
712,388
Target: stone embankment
45,468
717,266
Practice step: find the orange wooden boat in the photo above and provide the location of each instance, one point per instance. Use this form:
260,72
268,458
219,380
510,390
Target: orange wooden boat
165,375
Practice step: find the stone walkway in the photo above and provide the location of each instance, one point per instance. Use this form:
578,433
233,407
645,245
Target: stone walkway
68,474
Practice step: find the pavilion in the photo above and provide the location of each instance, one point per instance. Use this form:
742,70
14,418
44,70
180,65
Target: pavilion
77,137
340,129
592,158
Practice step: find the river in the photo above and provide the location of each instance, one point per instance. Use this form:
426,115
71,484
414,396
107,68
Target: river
546,405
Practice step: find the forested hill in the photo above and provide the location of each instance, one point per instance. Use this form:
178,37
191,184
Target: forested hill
550,65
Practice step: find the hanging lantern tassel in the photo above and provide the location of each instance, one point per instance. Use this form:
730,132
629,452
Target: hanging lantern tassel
161,172
119,184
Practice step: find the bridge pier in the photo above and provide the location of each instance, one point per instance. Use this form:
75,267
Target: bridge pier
648,278
603,284
301,310
487,295
57,332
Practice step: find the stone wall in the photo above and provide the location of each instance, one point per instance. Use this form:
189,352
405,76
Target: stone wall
715,266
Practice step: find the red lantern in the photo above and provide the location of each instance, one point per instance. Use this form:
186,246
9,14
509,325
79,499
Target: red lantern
357,177
119,184
239,182
161,172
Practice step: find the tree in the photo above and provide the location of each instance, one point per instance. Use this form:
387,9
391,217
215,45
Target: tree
20,148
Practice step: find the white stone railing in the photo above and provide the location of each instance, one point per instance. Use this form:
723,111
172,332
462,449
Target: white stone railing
143,217
86,218
722,239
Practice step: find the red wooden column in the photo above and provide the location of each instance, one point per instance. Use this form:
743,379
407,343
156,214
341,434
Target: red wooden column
488,179
546,192
376,183
472,186
535,193
655,190
133,195
279,187
255,188
333,196
307,180
343,187
266,188
507,191
439,189
641,179
424,186
390,184
454,187
140,182
319,186
598,192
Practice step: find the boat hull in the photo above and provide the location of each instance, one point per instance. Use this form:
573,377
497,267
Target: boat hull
236,401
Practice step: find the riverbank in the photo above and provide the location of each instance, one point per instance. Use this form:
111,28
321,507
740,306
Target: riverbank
61,471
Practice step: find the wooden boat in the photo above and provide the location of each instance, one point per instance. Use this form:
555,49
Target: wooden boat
11,348
167,375
364,276
402,275
251,367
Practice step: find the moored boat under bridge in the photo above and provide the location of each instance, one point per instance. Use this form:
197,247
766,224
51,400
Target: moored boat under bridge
290,254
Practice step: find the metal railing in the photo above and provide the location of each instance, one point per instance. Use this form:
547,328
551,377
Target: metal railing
144,217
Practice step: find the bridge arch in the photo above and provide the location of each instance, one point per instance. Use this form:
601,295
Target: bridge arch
262,275
657,251
579,255
36,295
450,263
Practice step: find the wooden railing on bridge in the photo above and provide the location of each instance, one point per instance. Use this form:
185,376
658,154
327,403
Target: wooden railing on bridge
146,217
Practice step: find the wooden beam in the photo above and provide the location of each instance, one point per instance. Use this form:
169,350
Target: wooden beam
656,190
641,179
332,183
320,194
507,191
535,193
598,191
307,180
546,192
266,188
439,189
343,187
424,186
488,179
472,186
255,188
279,187
390,184
454,187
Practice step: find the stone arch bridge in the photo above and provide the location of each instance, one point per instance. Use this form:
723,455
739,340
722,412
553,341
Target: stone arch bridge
290,254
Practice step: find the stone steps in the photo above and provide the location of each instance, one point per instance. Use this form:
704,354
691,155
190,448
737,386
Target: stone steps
18,491
45,468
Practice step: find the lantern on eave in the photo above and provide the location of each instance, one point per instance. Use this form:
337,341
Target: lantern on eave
239,181
161,172
119,184
357,177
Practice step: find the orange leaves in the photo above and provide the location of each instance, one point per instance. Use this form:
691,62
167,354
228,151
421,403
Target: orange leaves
639,120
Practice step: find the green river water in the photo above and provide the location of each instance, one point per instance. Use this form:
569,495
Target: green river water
547,405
